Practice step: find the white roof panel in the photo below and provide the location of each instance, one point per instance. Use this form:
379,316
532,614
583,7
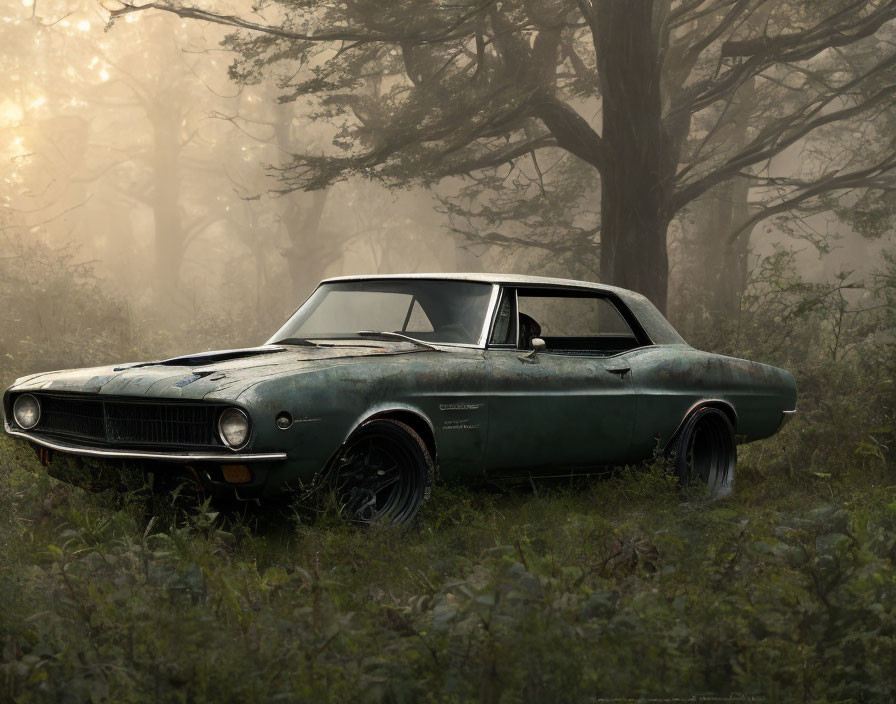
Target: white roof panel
512,279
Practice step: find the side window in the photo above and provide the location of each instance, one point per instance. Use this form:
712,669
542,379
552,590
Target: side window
504,327
573,323
417,320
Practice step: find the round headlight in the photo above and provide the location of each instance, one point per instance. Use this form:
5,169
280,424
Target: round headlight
26,411
233,427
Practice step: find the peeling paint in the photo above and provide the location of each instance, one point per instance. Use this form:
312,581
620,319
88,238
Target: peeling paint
567,410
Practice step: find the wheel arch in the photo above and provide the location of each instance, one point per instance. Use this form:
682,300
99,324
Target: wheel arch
412,417
724,406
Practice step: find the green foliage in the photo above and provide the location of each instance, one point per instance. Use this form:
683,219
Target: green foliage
783,319
608,589
59,315
45,322
872,216
572,591
603,588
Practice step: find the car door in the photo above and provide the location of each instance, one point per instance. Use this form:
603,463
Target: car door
571,405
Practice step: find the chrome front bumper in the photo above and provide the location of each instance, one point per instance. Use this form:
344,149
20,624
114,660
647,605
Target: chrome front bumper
184,457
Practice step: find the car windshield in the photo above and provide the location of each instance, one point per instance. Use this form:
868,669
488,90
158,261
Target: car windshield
440,311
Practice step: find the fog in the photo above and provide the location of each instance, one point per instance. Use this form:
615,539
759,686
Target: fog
178,175
132,150
135,155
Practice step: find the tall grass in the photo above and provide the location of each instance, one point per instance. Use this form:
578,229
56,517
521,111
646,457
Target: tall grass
599,589
608,588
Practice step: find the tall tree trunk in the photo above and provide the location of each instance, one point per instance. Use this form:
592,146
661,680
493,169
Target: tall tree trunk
168,243
307,253
638,168
718,265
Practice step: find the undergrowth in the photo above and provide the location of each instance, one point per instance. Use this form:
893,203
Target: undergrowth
611,588
598,589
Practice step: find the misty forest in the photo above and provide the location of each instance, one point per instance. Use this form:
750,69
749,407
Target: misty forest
178,177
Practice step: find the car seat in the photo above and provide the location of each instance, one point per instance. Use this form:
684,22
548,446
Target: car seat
528,330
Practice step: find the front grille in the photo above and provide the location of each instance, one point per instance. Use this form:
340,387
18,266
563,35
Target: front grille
70,416
160,424
129,423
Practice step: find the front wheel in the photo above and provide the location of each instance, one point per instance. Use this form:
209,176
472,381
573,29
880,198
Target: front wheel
705,452
383,473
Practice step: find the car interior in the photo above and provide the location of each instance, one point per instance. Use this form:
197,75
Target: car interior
570,323
529,329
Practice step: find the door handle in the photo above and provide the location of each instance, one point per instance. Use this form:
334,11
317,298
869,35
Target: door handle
620,371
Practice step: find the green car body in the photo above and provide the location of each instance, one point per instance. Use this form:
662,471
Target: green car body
485,411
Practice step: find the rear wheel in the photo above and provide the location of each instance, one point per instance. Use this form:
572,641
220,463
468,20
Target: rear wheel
383,473
705,452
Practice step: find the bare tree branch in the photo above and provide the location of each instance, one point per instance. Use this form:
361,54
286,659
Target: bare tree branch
787,130
496,158
839,29
452,30
826,184
571,131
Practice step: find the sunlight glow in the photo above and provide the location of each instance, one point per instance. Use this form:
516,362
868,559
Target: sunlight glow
9,112
104,75
17,149
83,25
38,102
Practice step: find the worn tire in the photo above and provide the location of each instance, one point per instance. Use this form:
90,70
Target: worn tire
704,452
383,473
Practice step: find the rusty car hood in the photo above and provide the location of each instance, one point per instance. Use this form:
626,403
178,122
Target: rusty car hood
218,375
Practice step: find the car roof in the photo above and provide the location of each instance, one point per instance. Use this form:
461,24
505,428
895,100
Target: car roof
506,279
654,323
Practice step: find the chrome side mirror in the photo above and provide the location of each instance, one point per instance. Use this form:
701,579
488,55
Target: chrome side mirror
538,345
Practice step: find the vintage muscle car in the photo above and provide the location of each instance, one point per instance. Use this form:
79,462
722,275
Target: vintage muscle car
376,382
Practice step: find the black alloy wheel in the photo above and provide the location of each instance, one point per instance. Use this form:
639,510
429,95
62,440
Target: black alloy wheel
705,452
384,472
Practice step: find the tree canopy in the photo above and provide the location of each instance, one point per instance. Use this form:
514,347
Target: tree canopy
644,93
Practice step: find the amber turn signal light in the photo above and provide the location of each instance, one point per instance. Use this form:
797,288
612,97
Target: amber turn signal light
236,473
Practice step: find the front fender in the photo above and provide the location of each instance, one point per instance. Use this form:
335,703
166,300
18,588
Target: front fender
446,390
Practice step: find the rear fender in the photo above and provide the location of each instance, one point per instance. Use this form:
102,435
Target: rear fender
723,406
